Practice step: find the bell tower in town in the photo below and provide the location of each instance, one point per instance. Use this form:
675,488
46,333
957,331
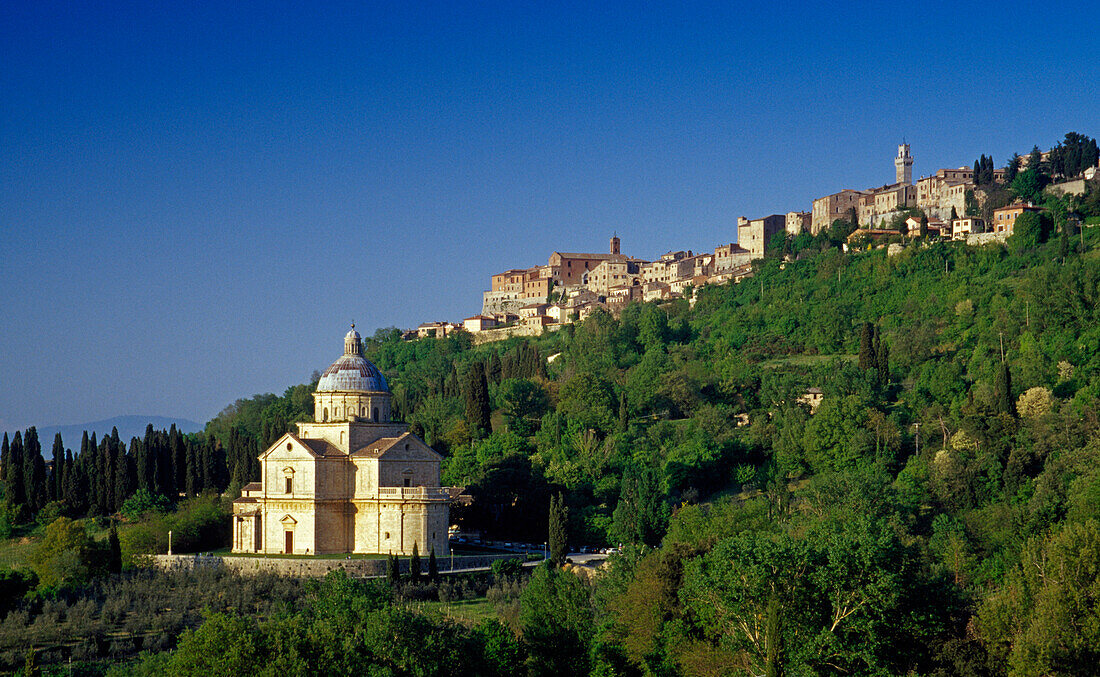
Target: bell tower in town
903,165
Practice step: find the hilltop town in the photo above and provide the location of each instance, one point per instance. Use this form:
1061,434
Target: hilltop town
968,204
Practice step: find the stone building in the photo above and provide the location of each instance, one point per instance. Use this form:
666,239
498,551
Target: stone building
756,235
798,222
881,204
671,266
730,256
608,274
569,269
968,225
1004,218
351,481
832,207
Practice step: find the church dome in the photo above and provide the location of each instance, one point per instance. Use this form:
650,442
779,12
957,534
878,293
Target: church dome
352,371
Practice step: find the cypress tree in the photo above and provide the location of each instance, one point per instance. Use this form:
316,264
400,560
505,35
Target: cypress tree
145,461
866,347
34,471
414,564
1002,390
954,213
40,482
558,536
125,475
58,468
923,226
107,474
92,468
14,487
478,411
221,468
433,567
69,485
393,576
208,469
193,482
114,553
882,362
5,452
495,369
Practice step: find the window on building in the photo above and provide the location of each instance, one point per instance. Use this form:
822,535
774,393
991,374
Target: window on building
375,414
408,482
289,484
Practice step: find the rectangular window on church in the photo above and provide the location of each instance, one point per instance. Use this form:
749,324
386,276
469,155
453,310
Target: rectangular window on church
288,485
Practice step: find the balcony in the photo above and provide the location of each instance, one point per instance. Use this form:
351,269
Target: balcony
420,493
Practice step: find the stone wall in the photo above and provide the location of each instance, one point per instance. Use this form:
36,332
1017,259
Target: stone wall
310,567
490,335
977,239
1075,187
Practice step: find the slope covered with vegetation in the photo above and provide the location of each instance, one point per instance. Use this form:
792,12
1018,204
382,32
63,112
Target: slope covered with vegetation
937,513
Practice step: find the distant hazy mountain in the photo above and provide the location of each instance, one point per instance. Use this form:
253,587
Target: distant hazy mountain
128,426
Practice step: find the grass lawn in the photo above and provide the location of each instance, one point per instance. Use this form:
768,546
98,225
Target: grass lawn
806,360
471,611
15,552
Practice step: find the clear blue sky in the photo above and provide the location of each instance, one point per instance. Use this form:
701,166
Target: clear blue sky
196,199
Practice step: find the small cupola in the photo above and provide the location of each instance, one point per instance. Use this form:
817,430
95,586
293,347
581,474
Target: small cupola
352,343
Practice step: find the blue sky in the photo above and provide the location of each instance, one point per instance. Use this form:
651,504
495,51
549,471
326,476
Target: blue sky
196,199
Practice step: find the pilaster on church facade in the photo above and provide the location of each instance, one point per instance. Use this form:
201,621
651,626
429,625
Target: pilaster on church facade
350,481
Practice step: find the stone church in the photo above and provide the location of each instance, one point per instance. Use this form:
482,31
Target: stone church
352,481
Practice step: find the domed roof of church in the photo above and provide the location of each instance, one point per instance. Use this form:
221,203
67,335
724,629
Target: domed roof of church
352,371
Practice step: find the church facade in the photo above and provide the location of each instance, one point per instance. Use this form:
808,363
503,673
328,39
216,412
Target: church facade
352,481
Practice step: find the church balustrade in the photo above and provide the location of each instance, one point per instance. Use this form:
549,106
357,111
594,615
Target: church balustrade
414,492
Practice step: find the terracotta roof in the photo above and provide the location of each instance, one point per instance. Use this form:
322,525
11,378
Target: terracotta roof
244,500
576,255
252,486
321,447
379,446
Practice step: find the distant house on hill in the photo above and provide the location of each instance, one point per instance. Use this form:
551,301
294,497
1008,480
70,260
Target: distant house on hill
478,323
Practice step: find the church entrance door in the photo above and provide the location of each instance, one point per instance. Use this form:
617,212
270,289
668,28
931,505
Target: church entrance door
289,542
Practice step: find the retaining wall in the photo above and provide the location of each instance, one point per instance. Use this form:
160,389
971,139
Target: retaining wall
311,567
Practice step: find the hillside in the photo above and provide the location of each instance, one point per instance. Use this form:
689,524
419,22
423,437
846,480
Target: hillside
892,529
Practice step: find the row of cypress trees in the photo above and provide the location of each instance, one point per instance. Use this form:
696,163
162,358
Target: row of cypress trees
105,473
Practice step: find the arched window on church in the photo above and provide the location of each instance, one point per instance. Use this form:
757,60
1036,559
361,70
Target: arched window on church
325,417
376,414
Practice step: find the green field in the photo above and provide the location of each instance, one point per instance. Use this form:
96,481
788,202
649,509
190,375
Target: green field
471,611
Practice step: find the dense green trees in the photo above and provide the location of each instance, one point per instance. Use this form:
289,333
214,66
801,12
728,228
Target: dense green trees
105,474
556,619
